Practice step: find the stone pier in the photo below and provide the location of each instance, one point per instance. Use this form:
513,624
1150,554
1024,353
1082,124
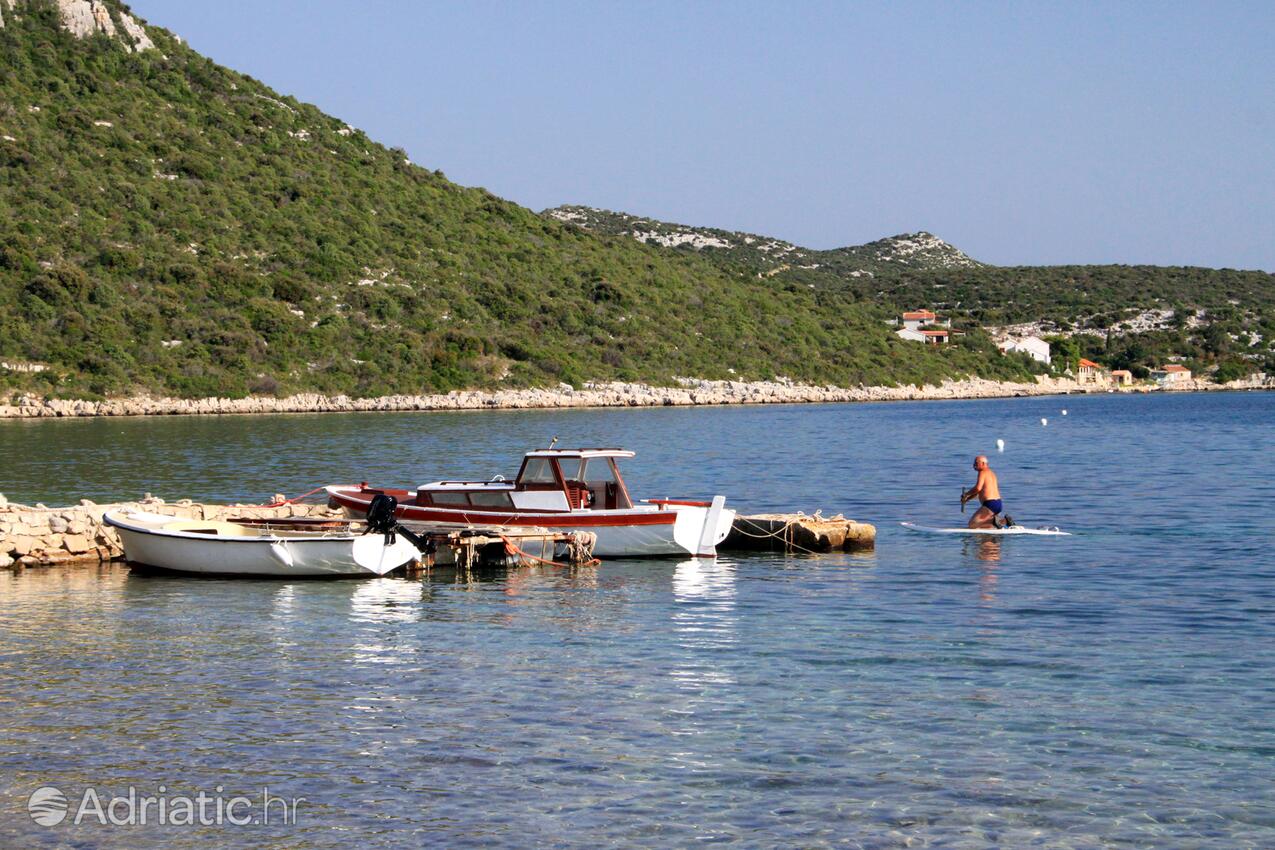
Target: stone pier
799,533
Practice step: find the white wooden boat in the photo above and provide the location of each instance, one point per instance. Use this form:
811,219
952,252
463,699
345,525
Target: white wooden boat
237,549
570,490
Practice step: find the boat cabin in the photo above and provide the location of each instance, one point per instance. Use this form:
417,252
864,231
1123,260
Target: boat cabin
549,480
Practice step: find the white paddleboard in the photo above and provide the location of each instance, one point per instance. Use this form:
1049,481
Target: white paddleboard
1012,530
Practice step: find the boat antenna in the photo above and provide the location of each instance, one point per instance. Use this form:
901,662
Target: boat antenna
553,442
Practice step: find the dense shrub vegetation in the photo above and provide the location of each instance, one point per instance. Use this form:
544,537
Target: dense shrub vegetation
168,225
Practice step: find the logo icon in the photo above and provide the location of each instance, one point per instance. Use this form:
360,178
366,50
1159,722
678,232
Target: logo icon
47,806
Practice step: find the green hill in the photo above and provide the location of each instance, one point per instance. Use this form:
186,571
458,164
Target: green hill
169,225
1127,316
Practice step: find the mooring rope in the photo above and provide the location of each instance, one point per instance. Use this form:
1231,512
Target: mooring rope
280,504
512,548
784,533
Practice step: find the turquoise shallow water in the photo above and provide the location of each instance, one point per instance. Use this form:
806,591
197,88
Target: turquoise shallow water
1114,689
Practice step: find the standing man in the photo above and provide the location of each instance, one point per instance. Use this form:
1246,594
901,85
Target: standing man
988,492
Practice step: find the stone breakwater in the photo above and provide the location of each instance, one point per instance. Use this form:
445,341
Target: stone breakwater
689,392
41,536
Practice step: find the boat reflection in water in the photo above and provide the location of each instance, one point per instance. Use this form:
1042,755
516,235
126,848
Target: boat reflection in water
386,600
704,619
706,581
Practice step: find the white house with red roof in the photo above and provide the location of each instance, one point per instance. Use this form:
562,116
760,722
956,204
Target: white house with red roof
915,320
1089,372
1171,375
924,326
1032,346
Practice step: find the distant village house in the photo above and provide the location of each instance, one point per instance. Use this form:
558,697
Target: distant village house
1090,372
936,335
1123,377
924,326
1171,375
914,320
1033,346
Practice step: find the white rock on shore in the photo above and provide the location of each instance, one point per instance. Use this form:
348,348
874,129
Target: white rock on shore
616,394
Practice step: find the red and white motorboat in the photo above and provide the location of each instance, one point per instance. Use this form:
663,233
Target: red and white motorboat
561,490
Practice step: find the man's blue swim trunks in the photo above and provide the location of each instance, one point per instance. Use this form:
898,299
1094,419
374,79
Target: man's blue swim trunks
994,505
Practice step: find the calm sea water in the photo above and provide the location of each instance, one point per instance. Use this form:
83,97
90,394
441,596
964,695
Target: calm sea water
1114,689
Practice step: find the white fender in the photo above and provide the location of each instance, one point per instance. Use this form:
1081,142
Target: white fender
280,550
699,530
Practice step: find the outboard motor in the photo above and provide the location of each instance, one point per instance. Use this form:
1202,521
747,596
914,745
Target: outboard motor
381,520
380,514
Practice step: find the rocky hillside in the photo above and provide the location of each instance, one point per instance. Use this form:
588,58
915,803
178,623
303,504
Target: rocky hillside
1127,316
168,225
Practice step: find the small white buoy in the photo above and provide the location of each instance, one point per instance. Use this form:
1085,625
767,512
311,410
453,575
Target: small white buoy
1043,421
1064,411
1000,445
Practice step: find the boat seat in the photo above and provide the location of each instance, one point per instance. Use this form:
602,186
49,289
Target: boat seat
579,495
211,527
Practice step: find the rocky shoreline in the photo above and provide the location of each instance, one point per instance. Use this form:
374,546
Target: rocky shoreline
689,392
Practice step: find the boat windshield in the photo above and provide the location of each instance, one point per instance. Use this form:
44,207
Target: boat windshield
601,477
538,470
598,472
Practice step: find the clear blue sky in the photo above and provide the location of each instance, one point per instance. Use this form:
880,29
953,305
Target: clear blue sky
1021,132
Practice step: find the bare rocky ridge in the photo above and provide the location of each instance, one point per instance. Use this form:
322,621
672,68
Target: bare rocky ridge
917,250
84,18
141,41
907,250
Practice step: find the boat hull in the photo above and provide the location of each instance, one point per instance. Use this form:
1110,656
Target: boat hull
652,532
259,556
